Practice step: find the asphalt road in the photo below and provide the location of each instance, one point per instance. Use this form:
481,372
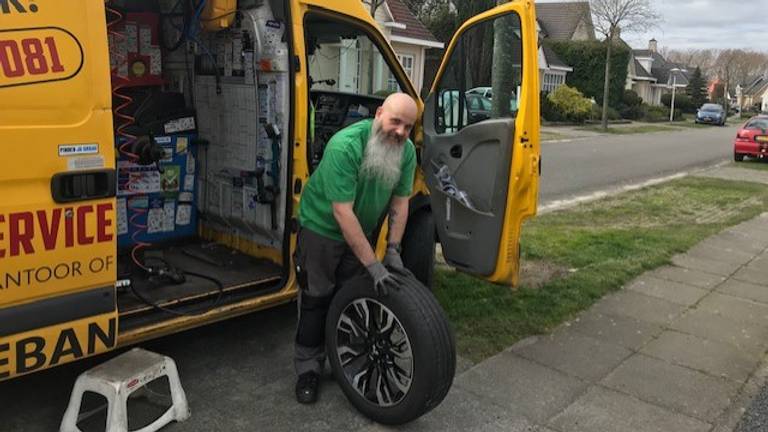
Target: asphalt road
755,419
238,373
587,165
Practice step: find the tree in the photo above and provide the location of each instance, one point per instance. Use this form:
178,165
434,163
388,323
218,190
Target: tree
748,65
613,17
696,88
701,58
506,52
588,61
726,64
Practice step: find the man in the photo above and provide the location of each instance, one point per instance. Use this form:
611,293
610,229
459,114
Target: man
366,168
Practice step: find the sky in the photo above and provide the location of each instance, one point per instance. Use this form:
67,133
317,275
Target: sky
705,24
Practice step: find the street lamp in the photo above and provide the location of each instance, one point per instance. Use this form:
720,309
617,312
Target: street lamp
674,72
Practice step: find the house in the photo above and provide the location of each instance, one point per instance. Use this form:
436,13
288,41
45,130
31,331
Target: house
356,65
650,75
564,21
755,94
409,38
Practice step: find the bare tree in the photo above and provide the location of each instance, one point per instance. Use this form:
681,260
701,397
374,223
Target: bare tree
703,58
613,17
726,68
748,65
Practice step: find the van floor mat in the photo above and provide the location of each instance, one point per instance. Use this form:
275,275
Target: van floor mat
235,270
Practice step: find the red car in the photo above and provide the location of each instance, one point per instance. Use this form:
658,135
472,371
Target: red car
752,139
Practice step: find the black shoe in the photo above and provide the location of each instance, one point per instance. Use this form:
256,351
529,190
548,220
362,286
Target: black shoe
306,387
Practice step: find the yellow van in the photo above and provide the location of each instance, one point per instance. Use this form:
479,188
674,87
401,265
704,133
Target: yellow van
156,151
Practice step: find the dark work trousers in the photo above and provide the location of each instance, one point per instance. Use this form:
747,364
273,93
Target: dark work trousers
322,265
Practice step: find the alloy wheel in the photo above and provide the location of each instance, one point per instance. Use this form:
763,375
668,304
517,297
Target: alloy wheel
374,352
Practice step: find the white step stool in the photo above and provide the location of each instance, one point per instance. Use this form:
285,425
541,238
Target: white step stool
117,379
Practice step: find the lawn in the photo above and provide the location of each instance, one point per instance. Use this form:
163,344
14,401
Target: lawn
757,164
590,251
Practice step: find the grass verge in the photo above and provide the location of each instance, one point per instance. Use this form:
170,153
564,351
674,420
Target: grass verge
690,125
601,246
756,164
626,130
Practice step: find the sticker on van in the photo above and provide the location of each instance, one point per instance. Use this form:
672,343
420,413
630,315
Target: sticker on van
78,149
38,55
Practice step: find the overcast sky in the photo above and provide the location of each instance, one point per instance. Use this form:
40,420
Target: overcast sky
706,24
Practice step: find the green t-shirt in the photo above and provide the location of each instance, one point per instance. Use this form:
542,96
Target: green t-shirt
338,179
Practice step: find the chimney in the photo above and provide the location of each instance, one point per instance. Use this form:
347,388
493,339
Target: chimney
653,45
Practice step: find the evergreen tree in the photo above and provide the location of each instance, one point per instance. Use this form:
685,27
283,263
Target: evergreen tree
696,88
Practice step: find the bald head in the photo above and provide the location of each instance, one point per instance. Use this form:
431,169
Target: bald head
396,117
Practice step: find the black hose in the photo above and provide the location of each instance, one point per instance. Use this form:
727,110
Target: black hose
159,307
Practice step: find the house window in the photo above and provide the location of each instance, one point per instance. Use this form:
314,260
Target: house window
406,60
552,81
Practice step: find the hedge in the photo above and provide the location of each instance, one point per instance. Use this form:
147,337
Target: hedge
587,58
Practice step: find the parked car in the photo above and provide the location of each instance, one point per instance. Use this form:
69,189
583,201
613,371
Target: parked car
482,91
752,139
479,108
487,92
476,108
711,114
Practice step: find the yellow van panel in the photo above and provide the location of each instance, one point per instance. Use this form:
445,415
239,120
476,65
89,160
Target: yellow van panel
46,78
39,349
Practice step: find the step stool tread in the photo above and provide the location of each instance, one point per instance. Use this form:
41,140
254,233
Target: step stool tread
127,366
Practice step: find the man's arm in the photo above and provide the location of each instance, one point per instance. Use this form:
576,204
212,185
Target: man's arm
353,233
398,217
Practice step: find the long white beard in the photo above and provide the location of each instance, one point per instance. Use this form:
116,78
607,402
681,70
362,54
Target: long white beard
382,157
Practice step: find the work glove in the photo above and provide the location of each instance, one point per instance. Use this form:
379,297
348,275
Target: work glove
392,258
383,280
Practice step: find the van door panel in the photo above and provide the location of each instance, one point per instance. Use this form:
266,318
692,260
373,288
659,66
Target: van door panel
481,141
57,260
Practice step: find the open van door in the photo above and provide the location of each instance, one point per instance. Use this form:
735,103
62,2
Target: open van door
482,166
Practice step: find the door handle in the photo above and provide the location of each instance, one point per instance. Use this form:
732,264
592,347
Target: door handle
83,185
456,151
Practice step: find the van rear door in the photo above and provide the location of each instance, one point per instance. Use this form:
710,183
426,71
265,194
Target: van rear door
57,211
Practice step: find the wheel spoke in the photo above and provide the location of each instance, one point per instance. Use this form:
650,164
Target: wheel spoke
402,351
382,389
349,326
350,353
401,381
387,323
361,307
360,381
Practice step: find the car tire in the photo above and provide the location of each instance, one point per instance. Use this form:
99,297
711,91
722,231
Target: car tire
419,247
738,157
415,347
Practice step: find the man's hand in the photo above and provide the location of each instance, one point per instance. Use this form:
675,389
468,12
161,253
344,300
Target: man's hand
383,280
392,257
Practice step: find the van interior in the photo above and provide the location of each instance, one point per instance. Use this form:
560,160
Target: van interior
203,125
